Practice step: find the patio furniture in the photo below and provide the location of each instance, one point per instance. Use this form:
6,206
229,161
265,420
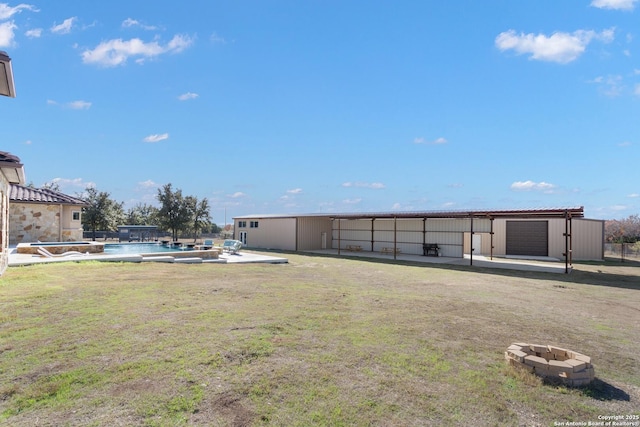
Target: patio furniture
431,249
45,253
232,246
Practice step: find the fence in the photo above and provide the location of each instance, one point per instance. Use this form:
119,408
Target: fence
622,251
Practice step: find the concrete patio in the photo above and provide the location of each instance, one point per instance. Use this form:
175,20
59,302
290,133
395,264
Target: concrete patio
539,264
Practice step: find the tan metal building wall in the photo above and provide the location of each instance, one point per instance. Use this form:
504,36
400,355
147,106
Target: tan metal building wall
587,238
314,233
271,233
302,233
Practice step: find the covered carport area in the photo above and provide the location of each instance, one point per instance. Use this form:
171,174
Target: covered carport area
418,233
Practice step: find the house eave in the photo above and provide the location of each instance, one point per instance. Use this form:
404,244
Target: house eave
14,172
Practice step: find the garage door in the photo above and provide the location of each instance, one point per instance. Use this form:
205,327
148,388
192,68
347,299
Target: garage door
528,238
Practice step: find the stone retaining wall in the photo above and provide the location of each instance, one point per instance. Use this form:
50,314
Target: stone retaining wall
571,368
87,247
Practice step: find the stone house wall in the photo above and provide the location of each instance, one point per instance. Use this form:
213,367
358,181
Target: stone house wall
4,219
32,222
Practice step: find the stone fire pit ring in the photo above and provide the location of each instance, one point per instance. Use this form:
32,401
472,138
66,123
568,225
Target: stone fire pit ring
569,367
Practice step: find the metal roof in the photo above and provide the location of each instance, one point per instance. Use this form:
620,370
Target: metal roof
573,212
20,193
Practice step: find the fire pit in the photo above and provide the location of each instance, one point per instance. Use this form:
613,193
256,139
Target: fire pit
569,367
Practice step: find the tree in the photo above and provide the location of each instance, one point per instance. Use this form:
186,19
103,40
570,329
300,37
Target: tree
102,213
200,214
625,230
52,185
142,214
174,215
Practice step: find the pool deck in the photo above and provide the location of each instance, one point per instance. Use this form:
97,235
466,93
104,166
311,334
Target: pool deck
538,264
16,259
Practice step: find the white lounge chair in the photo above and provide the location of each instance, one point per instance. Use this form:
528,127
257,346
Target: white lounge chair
45,253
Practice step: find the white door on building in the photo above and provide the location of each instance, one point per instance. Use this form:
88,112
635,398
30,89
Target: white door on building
324,240
476,244
243,238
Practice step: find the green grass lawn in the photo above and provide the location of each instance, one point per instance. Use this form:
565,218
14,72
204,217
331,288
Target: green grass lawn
319,341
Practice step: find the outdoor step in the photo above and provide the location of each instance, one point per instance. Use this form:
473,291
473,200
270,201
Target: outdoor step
159,258
189,260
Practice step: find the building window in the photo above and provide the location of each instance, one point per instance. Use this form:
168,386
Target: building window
254,224
242,224
76,215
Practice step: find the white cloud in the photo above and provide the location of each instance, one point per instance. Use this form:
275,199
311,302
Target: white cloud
237,195
372,185
217,39
128,23
438,141
614,4
67,184
74,105
6,33
612,86
65,27
294,191
559,47
633,195
116,51
147,184
34,33
625,144
187,96
351,201
7,12
618,207
545,187
156,137
79,105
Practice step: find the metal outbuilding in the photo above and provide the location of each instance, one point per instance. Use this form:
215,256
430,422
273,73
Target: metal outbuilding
561,233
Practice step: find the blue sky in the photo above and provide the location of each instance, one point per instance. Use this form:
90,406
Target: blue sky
330,106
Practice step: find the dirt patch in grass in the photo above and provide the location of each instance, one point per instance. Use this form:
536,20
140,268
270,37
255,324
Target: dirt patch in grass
318,341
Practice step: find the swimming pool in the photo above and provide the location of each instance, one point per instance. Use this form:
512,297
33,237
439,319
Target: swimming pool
141,248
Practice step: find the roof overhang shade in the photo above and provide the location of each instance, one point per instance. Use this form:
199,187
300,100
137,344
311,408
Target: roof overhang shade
12,168
7,87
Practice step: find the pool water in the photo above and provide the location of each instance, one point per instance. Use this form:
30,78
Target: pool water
139,248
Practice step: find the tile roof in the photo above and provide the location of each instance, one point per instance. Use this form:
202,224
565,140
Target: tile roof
21,193
8,157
